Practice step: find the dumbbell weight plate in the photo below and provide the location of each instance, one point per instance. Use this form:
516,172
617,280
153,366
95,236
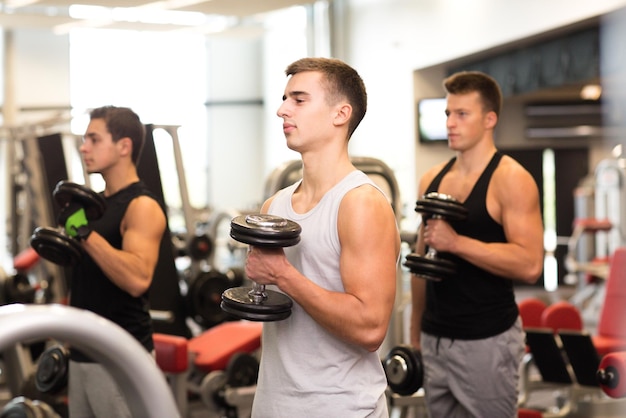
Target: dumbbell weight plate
242,370
404,370
265,230
429,268
93,203
236,301
443,205
52,368
261,241
53,246
201,247
204,298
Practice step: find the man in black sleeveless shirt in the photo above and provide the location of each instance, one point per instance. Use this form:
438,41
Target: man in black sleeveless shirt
467,326
121,252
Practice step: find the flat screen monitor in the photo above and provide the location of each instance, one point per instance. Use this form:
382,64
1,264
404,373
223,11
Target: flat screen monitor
431,120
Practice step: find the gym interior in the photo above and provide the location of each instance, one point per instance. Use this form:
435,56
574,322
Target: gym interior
215,151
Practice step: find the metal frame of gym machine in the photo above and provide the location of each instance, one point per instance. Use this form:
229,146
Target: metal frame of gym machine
603,198
27,207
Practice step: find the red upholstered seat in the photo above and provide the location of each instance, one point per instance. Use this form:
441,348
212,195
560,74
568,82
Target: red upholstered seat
562,315
611,332
172,355
529,413
25,259
530,310
214,347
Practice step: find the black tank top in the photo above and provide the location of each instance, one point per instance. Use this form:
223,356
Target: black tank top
90,289
473,304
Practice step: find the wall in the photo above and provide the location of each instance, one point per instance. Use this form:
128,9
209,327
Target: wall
41,77
387,40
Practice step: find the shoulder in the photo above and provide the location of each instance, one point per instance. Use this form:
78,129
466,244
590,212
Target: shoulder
510,177
145,205
430,175
510,169
366,197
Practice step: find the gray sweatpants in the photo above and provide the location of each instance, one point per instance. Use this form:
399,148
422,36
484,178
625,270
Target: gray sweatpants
92,393
473,378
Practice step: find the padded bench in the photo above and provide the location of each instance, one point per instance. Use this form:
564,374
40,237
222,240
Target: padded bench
214,347
209,351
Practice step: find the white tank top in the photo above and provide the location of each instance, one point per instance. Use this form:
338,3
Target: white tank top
306,371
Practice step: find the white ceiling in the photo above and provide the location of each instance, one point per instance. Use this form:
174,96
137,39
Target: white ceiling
49,14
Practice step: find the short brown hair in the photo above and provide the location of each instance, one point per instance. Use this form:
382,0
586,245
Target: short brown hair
342,82
122,122
475,81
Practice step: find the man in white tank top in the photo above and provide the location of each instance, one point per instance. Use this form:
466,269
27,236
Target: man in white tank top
322,361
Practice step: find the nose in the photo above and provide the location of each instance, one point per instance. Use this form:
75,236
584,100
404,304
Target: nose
83,147
281,112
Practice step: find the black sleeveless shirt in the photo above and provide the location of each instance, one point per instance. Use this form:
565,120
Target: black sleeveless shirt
90,289
473,304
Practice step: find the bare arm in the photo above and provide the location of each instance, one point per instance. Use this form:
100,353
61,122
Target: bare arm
131,268
370,245
418,285
512,200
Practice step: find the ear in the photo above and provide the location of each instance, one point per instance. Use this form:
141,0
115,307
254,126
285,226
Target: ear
344,112
491,119
125,145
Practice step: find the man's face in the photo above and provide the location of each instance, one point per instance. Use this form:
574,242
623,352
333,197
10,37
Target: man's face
98,149
466,121
307,117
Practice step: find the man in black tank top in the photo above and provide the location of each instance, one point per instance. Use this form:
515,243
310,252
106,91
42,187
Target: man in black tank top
120,254
467,326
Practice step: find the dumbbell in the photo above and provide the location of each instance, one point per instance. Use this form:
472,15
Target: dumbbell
404,370
439,206
56,245
52,370
22,406
258,303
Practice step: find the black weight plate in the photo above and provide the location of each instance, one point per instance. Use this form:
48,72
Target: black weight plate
435,203
242,370
237,302
93,203
204,297
264,241
17,289
52,367
55,247
201,247
430,268
236,276
442,197
403,369
444,209
265,225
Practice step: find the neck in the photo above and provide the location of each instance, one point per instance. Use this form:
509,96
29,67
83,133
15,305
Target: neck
119,180
320,174
476,158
